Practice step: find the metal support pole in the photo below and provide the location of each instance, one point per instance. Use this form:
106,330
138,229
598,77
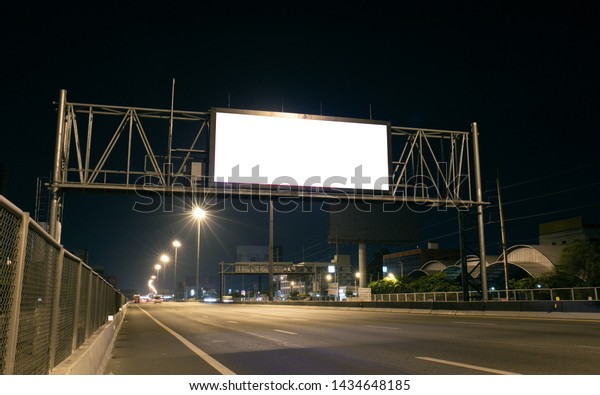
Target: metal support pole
77,305
271,249
463,255
15,310
88,316
222,282
503,238
169,167
197,263
58,165
480,223
175,276
56,309
362,264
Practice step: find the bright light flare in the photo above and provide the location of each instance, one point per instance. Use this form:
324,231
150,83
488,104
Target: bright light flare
164,258
198,213
176,244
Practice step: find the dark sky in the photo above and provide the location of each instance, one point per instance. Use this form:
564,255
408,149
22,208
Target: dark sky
528,77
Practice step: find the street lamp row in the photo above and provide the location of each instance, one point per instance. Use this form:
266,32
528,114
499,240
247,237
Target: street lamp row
198,214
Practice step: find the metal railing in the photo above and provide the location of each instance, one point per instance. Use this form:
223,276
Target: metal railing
538,294
50,301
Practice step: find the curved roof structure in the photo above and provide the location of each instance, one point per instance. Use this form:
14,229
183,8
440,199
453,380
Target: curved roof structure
434,266
417,274
535,259
523,261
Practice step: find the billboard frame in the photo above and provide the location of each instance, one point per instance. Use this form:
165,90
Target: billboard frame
331,191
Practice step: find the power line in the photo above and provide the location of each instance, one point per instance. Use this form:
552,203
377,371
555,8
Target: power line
546,176
549,212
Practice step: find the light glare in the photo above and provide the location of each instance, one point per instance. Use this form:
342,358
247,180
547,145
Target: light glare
198,213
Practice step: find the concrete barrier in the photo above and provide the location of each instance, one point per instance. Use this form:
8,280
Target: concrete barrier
93,355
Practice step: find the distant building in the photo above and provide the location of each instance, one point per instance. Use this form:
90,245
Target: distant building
257,254
567,230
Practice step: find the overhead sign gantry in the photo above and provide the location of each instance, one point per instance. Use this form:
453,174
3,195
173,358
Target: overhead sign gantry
234,153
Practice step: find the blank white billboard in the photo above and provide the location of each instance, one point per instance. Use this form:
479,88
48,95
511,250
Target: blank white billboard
252,147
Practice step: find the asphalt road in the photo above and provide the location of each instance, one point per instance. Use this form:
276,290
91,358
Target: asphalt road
196,338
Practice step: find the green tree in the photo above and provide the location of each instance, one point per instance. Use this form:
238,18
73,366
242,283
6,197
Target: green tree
437,282
524,283
389,285
582,259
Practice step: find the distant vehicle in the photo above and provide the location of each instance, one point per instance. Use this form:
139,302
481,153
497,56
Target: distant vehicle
227,299
157,299
136,298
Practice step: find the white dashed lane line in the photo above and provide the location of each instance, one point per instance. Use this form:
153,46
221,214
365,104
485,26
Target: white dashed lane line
465,365
286,332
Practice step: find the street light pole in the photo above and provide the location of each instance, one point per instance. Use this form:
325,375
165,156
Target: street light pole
176,244
165,259
199,214
197,262
157,267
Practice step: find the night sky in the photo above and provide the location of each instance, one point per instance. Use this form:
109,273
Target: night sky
528,77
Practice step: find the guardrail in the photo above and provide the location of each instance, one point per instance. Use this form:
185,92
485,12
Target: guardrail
538,294
50,301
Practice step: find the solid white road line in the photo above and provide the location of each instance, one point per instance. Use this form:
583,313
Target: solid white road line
466,366
210,360
287,332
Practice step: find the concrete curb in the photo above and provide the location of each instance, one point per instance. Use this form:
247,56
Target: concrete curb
546,310
93,355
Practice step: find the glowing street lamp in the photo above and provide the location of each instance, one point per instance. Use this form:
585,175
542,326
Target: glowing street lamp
199,215
176,245
356,278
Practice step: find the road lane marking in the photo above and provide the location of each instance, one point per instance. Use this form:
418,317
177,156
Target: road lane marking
210,360
382,327
286,332
232,322
464,365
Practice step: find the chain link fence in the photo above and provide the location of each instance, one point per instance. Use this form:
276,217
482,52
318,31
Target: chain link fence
538,294
50,301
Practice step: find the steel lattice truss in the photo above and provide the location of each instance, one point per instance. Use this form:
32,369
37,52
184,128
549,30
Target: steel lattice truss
127,148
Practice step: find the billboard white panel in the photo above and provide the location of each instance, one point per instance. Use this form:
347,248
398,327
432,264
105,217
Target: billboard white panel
252,147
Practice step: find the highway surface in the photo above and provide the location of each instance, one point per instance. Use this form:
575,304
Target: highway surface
201,338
